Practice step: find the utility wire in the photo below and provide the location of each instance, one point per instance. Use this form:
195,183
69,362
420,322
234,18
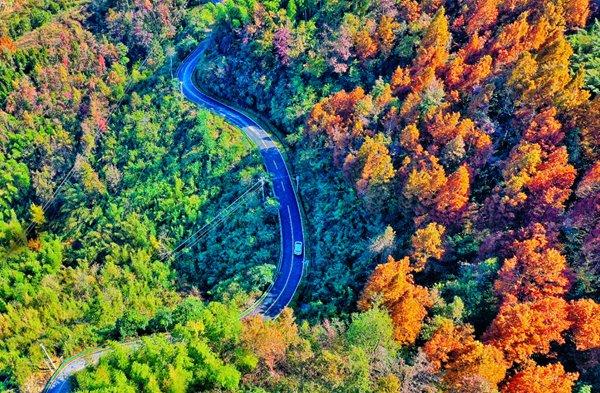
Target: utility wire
116,106
223,213
205,232
113,110
215,221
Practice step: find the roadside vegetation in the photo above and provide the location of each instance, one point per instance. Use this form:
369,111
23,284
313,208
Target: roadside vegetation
94,257
448,157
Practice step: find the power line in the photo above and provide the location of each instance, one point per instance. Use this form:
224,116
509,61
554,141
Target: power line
51,363
205,232
114,109
116,106
223,213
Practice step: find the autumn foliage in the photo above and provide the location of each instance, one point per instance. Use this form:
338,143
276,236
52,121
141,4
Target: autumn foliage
455,350
535,272
7,44
270,340
523,329
470,137
470,131
584,218
453,198
392,284
427,243
374,163
341,118
458,140
541,379
584,315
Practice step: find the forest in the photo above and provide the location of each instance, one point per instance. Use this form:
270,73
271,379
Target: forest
448,156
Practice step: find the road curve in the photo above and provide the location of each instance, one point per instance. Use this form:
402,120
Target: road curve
290,269
291,266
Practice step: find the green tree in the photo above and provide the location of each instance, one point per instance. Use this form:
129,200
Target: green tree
371,330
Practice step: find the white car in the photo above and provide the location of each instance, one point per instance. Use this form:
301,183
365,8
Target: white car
298,248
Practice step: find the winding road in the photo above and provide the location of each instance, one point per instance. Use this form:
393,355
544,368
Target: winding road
290,269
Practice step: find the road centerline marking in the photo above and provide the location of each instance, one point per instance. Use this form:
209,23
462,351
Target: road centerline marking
292,263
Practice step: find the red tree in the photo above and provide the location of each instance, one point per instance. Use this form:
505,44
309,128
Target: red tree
523,329
453,198
342,118
538,379
536,271
454,350
584,315
392,283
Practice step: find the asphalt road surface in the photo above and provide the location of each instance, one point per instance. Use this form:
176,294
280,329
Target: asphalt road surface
289,272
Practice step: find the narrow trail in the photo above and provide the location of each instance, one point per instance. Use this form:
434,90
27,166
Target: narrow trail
290,268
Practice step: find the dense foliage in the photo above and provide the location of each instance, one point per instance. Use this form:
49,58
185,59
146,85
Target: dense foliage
210,350
26,16
106,168
460,139
447,153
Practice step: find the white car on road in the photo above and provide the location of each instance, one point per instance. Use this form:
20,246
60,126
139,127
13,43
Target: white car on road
298,248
